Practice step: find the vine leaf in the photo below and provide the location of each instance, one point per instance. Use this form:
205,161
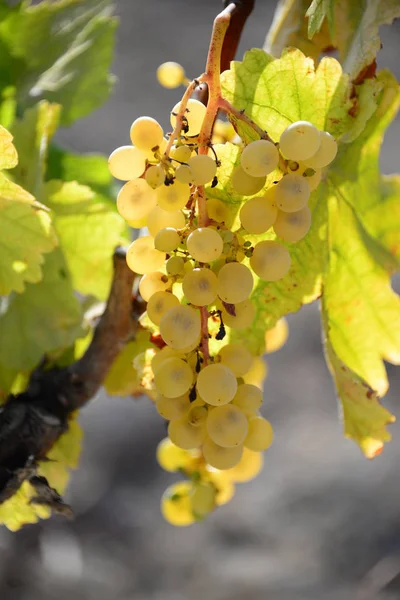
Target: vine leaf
45,318
64,455
88,232
26,229
66,61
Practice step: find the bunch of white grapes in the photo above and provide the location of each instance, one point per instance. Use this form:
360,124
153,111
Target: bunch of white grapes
198,279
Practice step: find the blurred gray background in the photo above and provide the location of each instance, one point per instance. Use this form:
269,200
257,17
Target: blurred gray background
320,522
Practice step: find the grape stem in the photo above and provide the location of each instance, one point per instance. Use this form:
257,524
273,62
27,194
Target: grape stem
181,113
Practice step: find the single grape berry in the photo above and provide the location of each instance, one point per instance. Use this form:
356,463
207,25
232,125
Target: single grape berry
171,74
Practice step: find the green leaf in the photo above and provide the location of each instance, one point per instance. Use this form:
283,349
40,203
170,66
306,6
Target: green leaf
67,61
17,511
45,318
88,232
364,418
8,153
317,12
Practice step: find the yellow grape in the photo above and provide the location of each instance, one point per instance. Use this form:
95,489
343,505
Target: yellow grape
276,337
181,153
216,384
245,184
197,415
200,286
234,283
159,218
248,467
258,214
167,239
205,244
158,305
175,265
176,505
294,226
173,197
170,75
248,397
223,483
300,141
162,355
184,174
153,154
313,180
227,425
257,373
146,133
126,163
237,358
259,158
203,168
219,457
142,257
172,408
325,154
184,435
270,260
217,210
151,283
194,114
245,313
173,459
203,499
260,434
155,176
292,192
180,327
135,200
173,377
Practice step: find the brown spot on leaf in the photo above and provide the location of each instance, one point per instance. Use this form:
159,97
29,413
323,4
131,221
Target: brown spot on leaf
367,72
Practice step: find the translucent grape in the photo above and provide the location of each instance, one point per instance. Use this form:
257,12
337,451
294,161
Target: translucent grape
194,114
203,168
205,244
293,226
244,184
260,434
223,131
151,283
159,219
162,355
180,327
219,457
126,163
257,373
216,384
158,305
181,153
172,408
184,435
173,377
155,176
200,287
203,500
173,197
171,458
167,239
224,486
292,192
197,415
248,467
299,141
153,154
184,174
142,257
244,316
135,200
170,74
217,210
146,133
175,265
270,260
234,283
325,154
248,397
259,158
227,425
176,505
276,337
314,180
237,358
257,215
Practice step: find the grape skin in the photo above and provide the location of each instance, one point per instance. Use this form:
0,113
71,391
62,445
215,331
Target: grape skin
277,336
186,436
244,317
136,200
171,458
258,214
158,305
248,397
244,184
217,210
162,355
194,114
146,133
234,283
200,286
292,192
170,74
176,506
325,154
227,425
203,169
204,244
173,377
180,327
270,260
294,226
300,141
181,153
142,257
184,174
126,163
173,197
151,283
167,239
219,457
155,176
159,218
260,435
203,500
248,467
216,384
172,408
175,265
259,158
237,358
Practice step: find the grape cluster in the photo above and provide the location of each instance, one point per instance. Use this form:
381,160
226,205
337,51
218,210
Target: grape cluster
197,280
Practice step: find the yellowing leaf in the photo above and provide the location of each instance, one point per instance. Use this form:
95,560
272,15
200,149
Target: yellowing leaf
8,153
364,418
